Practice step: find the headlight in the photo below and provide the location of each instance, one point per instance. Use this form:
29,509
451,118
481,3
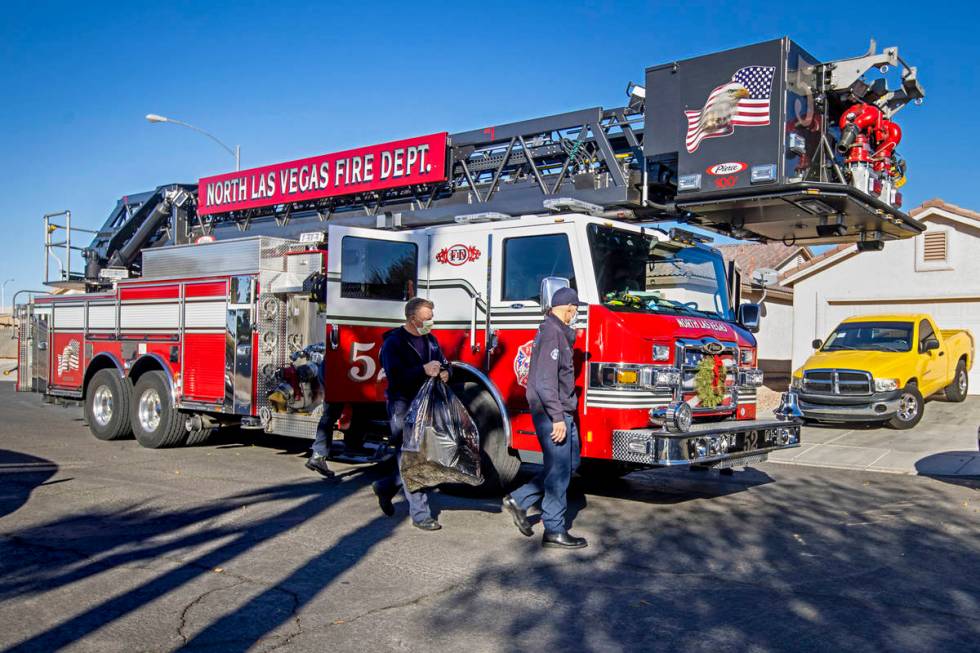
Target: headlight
666,377
638,376
751,377
661,353
886,385
796,383
746,356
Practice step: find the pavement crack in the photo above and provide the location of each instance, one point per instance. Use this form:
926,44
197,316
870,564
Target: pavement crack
181,627
401,604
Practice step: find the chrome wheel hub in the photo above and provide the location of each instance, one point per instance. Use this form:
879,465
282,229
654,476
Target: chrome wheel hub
961,382
908,408
102,405
149,410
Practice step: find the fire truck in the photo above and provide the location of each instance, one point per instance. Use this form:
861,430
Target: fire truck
218,302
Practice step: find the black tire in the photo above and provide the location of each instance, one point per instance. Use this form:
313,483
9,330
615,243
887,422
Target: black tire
910,409
499,462
108,398
198,436
156,423
957,390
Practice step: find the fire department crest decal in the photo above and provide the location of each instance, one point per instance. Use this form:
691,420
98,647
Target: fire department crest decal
458,254
68,358
522,362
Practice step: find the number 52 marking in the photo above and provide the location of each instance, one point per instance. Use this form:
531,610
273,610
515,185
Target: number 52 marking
364,366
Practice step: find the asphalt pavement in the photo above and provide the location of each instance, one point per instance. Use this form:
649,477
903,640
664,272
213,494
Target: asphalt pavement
235,546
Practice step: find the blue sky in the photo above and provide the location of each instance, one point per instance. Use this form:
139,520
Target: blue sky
288,79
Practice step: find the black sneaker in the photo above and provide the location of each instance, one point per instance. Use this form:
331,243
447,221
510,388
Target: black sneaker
563,540
384,498
319,464
518,515
427,524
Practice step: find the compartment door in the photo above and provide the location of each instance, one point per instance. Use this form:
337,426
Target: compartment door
371,273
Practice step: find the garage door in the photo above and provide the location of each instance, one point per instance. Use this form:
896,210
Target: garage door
955,314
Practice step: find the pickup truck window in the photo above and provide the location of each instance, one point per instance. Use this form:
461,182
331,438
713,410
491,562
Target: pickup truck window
870,336
925,332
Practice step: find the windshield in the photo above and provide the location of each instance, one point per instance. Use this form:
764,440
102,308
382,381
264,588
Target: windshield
637,272
870,336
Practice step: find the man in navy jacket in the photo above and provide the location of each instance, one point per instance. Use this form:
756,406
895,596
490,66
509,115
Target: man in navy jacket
551,396
410,355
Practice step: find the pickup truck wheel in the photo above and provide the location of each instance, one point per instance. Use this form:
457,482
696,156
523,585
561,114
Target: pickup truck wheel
498,462
910,406
107,401
956,391
156,423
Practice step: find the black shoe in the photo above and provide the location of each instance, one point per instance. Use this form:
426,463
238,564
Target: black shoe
518,514
427,524
384,499
319,464
563,540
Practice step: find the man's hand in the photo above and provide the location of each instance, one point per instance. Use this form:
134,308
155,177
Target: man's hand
558,432
432,368
444,375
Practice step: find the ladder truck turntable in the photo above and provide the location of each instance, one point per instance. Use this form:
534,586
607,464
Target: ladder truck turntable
204,300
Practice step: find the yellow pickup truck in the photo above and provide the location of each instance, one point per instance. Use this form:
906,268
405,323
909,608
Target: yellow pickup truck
881,367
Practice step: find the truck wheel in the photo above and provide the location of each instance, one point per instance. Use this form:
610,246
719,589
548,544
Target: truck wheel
199,436
498,463
956,391
107,400
156,423
910,406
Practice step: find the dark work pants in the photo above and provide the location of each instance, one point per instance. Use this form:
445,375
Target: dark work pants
324,430
550,486
418,502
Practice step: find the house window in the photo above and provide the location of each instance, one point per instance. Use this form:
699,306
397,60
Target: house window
934,247
378,269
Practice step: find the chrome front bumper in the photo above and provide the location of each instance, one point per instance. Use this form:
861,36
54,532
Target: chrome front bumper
722,444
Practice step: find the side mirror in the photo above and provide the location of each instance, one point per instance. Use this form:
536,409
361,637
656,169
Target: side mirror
817,344
929,345
749,316
549,286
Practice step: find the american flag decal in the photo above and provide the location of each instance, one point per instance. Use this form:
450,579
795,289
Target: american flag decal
68,358
744,101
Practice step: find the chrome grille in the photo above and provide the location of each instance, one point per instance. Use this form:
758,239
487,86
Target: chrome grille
837,382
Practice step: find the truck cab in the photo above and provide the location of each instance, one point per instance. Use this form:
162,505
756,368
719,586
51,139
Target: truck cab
880,368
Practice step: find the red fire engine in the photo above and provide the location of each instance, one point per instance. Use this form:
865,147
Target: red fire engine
188,324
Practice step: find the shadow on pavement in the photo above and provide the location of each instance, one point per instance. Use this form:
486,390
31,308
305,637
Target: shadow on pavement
807,568
53,555
19,475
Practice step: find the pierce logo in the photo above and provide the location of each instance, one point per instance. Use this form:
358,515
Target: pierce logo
729,168
458,254
522,362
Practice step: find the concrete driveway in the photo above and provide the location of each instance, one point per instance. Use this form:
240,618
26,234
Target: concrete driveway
943,444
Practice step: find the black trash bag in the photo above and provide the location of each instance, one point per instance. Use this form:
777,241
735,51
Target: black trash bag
441,442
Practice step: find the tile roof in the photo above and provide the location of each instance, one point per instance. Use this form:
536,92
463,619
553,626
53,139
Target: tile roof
752,256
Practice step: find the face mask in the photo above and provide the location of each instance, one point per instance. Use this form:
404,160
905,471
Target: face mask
425,327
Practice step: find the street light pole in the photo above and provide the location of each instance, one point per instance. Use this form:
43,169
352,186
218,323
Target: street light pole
3,296
152,117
